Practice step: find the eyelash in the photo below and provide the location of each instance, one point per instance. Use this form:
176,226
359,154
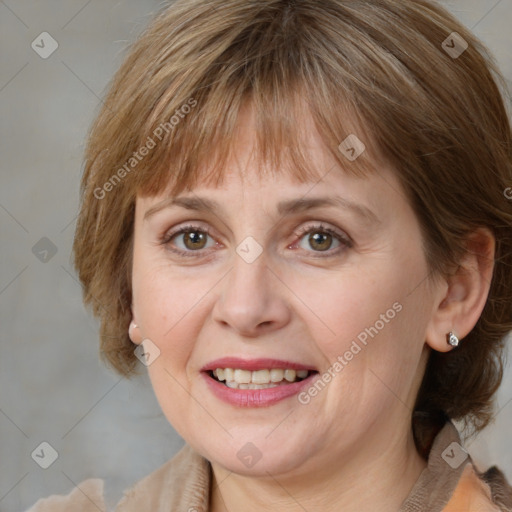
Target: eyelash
345,241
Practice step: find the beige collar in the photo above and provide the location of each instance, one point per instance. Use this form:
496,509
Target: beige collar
182,484
438,481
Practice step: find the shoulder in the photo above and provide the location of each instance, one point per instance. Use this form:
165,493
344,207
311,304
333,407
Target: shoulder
500,488
481,492
86,497
452,483
183,481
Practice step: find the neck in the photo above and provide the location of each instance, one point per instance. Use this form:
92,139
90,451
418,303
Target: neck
361,482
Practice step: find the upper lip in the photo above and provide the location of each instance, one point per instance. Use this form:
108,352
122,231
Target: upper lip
253,364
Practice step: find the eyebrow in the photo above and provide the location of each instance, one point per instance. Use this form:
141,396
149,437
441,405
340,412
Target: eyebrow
283,208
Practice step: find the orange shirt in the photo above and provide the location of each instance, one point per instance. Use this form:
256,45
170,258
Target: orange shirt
472,494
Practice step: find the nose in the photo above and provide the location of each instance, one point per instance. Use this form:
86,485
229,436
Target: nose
252,299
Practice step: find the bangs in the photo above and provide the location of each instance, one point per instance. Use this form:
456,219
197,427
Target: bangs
194,134
198,148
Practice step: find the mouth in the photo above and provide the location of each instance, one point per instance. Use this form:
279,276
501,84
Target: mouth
238,378
257,382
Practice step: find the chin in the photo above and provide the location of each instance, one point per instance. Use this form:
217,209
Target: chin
276,464
258,458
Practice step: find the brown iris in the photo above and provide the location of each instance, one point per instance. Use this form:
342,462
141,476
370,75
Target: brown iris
320,241
196,239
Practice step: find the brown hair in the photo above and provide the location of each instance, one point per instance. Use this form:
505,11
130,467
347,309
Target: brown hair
385,65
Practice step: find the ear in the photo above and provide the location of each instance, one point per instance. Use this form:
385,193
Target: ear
134,330
462,296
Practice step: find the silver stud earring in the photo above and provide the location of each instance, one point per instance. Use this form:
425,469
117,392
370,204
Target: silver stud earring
133,325
452,339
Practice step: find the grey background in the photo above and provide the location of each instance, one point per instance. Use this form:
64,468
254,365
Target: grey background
52,386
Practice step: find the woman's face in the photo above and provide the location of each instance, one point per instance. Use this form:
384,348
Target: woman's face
327,277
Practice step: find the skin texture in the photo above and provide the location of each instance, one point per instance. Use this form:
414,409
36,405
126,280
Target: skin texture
351,446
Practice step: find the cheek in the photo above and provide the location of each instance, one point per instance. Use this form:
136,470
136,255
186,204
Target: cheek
171,312
381,353
168,306
371,324
350,305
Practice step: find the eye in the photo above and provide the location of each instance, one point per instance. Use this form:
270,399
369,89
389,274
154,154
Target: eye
321,238
188,239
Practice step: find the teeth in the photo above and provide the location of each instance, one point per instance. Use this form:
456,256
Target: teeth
258,379
243,376
235,385
290,375
276,375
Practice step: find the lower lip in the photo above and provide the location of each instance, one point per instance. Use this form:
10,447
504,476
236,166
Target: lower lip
256,397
